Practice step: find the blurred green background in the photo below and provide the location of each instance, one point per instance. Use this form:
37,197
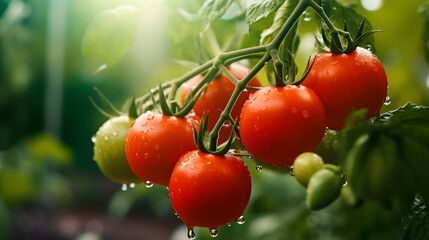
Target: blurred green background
50,188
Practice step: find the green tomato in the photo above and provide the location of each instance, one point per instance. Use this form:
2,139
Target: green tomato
109,150
305,165
323,188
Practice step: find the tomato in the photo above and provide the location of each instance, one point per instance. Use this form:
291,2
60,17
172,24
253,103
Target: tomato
109,150
217,95
208,190
305,165
347,82
279,123
156,142
323,188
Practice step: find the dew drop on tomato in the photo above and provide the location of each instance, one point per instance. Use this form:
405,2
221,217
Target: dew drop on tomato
241,220
148,184
191,234
213,232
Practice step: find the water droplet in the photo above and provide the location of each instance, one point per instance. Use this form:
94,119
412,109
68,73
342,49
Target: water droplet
334,8
307,16
258,167
145,130
226,124
106,138
146,156
291,171
229,224
213,233
368,47
294,109
241,220
132,185
177,215
245,90
148,184
343,178
388,85
115,133
191,234
192,113
305,114
124,187
256,127
387,100
93,139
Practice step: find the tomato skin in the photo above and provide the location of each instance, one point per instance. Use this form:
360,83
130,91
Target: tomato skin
217,95
348,81
109,150
208,190
279,123
156,142
305,165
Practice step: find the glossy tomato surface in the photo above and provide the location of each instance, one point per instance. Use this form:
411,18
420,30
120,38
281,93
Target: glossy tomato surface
279,123
217,95
208,190
347,82
156,142
109,150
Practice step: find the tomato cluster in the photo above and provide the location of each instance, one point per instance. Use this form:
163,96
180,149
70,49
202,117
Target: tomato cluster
278,125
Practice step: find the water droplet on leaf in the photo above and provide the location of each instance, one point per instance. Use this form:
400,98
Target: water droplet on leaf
258,167
291,171
307,16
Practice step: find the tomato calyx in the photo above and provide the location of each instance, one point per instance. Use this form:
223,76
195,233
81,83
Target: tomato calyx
208,145
335,46
285,70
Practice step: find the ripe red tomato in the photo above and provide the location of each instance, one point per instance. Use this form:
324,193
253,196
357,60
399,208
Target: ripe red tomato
279,123
348,81
155,143
208,190
216,97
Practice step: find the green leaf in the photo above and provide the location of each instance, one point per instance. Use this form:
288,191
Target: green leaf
416,224
111,34
292,39
340,14
261,9
425,31
212,10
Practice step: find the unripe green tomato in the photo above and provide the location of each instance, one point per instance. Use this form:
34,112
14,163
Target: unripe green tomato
323,188
109,150
305,165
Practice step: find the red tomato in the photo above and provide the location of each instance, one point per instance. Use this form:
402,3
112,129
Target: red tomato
279,123
348,81
208,190
155,143
215,99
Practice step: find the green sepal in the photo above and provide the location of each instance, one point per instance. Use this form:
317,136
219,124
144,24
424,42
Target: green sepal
112,111
132,110
308,68
163,102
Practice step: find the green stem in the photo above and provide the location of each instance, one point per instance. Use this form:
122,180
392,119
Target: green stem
332,29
